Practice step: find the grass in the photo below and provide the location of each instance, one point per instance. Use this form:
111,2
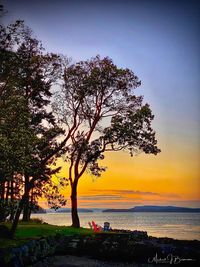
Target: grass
36,229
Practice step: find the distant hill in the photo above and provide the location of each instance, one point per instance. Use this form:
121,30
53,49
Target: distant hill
39,210
155,209
66,210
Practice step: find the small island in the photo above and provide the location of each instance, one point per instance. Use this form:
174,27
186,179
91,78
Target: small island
154,209
67,210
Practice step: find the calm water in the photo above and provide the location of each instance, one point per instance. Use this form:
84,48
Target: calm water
175,225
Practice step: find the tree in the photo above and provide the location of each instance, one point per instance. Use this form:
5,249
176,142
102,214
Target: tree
98,107
14,136
28,130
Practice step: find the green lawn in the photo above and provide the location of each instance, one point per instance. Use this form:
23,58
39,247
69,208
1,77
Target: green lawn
36,230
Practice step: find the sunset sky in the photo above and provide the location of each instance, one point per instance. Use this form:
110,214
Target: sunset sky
160,41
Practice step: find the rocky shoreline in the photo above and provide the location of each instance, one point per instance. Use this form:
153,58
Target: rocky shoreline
111,248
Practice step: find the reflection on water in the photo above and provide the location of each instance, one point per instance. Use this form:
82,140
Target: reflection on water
160,224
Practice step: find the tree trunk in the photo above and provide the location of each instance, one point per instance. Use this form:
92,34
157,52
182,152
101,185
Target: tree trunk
12,211
26,212
19,210
7,191
17,215
74,212
2,204
12,215
2,189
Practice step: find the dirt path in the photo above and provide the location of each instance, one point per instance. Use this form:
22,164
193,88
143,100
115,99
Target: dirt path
73,261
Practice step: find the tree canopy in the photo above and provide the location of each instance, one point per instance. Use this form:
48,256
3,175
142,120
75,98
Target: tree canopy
28,131
101,112
95,110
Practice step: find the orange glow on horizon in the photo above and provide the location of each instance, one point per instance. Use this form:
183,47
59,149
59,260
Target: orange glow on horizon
166,179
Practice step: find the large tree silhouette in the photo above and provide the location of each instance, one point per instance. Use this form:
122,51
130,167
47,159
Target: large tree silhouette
101,113
28,130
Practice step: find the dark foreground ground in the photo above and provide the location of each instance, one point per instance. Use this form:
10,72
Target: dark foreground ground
122,250
73,261
44,245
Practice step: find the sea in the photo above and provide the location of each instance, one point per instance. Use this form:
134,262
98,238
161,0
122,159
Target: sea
178,225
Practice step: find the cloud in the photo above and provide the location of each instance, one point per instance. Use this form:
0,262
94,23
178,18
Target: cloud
123,197
124,191
135,192
132,203
100,197
110,204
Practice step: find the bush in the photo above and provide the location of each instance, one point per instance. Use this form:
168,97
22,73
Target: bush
33,221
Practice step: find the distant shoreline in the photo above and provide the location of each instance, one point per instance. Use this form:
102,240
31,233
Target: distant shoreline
155,209
143,211
159,209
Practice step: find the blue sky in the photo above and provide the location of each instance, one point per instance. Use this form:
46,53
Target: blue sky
159,40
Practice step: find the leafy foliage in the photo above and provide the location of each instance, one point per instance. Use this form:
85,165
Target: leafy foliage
28,130
98,106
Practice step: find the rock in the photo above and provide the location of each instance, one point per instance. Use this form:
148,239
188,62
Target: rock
140,234
125,247
4,232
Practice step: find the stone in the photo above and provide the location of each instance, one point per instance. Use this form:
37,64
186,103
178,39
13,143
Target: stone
4,232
